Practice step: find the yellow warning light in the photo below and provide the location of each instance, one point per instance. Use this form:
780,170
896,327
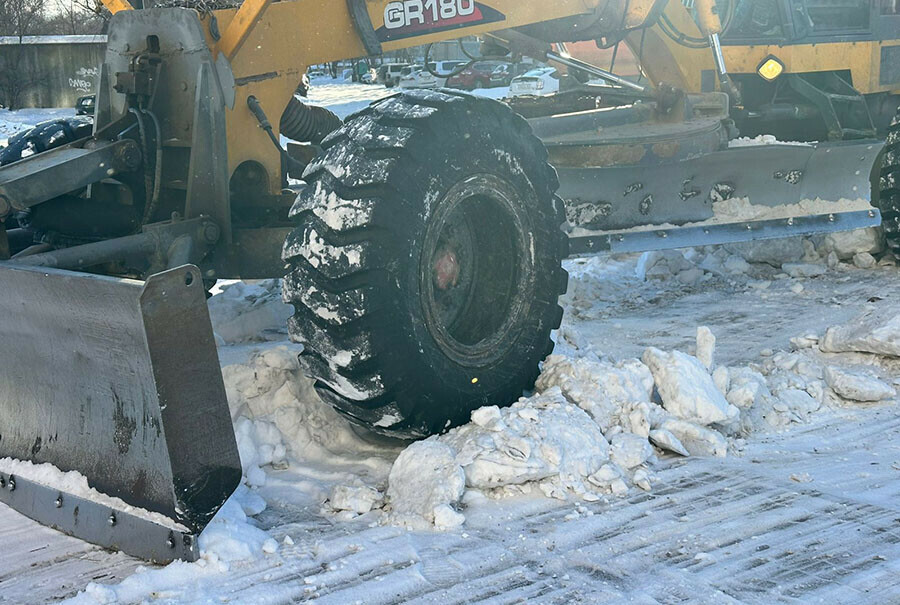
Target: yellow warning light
770,69
474,381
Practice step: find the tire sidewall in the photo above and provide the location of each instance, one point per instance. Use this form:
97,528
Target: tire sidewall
419,357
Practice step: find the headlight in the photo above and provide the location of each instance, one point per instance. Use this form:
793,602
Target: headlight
770,68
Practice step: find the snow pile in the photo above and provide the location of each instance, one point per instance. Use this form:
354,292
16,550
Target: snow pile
594,427
278,415
794,257
541,442
231,540
245,312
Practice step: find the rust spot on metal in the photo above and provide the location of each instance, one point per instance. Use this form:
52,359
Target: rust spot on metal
583,156
125,427
666,149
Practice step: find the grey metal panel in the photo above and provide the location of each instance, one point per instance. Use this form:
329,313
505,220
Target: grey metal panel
180,34
119,380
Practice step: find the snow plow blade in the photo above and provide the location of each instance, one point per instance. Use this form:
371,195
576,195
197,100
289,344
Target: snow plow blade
728,196
118,380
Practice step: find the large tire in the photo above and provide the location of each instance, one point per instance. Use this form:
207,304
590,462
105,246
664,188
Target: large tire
425,266
889,187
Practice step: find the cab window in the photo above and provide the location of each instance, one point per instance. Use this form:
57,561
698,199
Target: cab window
756,19
833,15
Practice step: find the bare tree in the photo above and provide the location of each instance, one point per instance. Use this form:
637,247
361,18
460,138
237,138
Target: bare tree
18,18
73,17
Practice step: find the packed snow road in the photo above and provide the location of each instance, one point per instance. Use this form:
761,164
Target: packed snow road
716,425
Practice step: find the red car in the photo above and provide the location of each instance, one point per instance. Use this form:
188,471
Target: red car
477,75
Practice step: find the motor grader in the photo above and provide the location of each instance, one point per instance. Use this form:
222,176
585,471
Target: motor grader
420,241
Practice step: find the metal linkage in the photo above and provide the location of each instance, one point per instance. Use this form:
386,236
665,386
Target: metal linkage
596,71
165,245
47,175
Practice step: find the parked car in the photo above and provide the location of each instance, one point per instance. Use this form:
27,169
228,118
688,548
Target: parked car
389,73
541,81
84,106
416,76
477,75
505,72
444,67
370,77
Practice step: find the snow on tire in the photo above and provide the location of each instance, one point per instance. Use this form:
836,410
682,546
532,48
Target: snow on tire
889,186
424,268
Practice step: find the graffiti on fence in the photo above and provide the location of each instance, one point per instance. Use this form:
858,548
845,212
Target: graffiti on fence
84,78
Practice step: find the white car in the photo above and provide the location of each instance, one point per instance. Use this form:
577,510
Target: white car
537,82
389,73
444,67
416,76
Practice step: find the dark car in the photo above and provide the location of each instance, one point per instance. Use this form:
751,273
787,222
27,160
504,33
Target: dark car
504,73
84,106
477,75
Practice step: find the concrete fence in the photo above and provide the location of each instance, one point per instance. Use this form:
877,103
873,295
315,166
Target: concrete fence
56,69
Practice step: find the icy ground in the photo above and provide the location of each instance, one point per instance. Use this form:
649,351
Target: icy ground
773,366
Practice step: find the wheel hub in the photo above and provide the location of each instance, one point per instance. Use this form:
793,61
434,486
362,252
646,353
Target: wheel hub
446,269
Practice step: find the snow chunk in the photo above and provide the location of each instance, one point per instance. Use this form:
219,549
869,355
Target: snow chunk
771,251
259,444
804,269
358,499
686,389
869,333
736,264
447,518
609,478
542,437
863,260
600,388
697,440
748,388
629,450
857,386
543,440
664,439
425,478
845,244
230,536
706,346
